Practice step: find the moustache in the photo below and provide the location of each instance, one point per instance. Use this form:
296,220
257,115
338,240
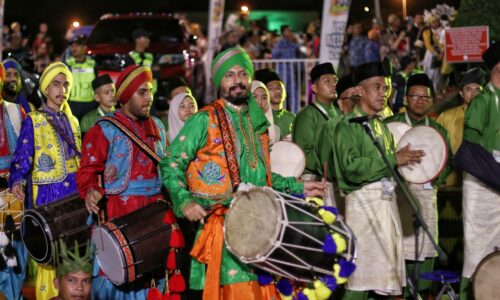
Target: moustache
10,84
240,86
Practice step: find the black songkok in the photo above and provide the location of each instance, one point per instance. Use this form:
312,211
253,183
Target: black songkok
321,69
267,75
420,79
368,70
344,83
475,75
100,81
491,56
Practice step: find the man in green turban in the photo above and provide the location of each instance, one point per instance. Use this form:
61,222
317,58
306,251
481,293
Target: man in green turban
223,145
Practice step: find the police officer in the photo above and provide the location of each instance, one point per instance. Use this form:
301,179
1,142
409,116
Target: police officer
83,67
139,55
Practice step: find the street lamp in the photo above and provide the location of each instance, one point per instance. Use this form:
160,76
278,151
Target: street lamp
404,9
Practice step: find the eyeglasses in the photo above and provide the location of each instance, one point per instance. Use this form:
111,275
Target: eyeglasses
421,97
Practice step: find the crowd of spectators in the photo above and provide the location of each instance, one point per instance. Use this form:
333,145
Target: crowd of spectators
416,41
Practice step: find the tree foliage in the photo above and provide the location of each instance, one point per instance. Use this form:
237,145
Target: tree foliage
480,13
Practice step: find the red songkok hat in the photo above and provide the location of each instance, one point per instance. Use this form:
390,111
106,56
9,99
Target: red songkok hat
130,79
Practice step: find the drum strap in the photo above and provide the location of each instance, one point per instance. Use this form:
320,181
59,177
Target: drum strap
134,138
227,141
61,133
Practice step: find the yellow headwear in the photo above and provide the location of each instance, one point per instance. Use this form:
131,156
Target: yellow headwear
52,71
48,75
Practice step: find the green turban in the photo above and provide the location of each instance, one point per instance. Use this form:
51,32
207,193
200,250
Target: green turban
228,59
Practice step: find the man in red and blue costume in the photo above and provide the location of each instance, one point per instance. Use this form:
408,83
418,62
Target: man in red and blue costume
130,178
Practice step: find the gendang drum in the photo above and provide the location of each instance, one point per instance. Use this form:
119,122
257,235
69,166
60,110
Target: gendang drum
135,244
282,234
433,163
486,278
65,219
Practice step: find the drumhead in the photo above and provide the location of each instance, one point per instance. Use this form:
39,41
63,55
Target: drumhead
398,129
36,235
436,154
109,255
486,278
287,159
252,224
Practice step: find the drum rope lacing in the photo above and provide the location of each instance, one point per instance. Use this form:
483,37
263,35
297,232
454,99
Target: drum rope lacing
274,265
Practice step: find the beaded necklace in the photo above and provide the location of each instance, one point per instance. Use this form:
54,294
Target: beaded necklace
248,140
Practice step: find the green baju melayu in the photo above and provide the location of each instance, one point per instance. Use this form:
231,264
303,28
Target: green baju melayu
306,128
427,196
482,119
480,203
371,209
184,148
284,120
90,118
357,161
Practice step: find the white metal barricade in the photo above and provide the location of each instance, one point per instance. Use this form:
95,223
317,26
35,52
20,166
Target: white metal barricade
295,75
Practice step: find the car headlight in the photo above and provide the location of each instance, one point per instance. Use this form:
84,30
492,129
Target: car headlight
171,59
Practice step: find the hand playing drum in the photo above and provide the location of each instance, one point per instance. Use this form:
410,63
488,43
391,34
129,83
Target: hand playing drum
18,191
406,156
91,201
421,155
314,188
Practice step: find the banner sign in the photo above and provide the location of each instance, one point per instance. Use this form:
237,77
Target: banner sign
335,15
466,44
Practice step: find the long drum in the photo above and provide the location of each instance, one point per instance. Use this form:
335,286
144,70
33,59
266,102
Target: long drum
433,163
135,244
282,235
287,159
65,219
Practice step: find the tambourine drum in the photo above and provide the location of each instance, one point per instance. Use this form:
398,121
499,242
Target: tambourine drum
486,278
436,154
287,159
65,219
398,129
281,234
10,205
133,245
